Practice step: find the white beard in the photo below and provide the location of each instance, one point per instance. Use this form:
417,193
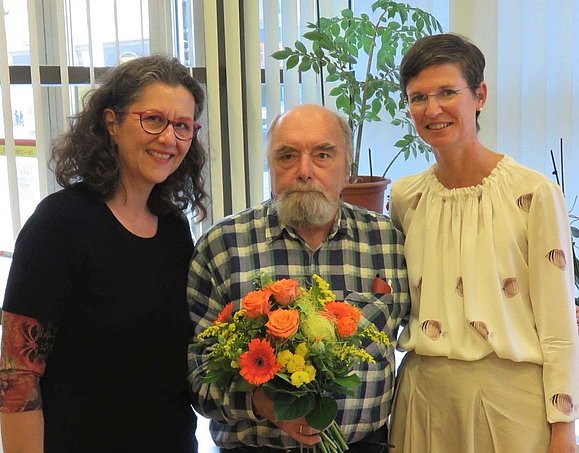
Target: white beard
303,205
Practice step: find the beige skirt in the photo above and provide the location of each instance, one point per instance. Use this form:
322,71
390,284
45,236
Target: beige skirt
453,406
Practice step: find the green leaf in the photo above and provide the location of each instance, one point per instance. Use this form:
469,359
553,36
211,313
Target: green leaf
350,381
288,407
343,103
402,10
313,35
352,49
301,47
212,376
282,54
347,13
292,61
322,414
336,91
335,29
381,58
376,106
318,52
332,78
420,24
305,65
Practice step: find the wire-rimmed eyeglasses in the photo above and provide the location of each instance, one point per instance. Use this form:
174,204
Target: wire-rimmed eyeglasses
155,123
419,100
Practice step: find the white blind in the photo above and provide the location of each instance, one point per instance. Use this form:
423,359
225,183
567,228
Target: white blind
10,145
533,77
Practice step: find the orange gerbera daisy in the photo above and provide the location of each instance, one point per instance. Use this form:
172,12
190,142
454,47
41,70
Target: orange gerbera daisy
259,364
225,314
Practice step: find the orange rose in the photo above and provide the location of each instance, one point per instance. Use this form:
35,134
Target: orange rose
256,303
285,291
283,323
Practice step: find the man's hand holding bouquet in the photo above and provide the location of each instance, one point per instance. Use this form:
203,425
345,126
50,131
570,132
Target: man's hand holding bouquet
298,346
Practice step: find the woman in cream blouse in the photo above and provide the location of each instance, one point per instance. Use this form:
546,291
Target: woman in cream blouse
493,346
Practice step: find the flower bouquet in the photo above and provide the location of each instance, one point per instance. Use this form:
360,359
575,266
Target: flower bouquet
299,343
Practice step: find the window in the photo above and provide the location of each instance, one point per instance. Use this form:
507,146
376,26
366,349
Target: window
85,37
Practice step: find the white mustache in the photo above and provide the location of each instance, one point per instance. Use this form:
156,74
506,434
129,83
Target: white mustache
300,188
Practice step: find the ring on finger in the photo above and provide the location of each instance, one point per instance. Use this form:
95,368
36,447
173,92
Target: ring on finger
301,429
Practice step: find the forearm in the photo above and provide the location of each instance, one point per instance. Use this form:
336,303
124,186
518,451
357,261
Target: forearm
224,404
22,432
563,438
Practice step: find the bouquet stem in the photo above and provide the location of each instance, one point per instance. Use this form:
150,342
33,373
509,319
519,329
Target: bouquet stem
333,441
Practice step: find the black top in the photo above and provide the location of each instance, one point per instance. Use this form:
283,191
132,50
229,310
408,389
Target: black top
116,378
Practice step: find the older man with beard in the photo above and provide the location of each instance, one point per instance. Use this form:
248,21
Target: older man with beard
304,229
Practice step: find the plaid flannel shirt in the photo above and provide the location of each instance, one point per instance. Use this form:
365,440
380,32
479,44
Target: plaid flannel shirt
361,245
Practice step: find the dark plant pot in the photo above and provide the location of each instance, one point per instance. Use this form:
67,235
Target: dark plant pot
367,192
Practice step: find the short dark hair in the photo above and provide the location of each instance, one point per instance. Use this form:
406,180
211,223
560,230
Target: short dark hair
86,153
441,49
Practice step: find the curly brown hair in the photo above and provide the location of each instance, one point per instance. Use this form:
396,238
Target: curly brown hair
86,152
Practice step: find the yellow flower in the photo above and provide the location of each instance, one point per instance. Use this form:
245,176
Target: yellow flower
209,332
296,363
299,378
375,335
302,349
311,370
325,293
350,353
283,357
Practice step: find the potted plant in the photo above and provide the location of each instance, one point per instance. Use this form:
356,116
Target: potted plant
337,45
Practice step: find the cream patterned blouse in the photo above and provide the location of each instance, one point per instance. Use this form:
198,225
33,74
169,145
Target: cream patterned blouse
491,270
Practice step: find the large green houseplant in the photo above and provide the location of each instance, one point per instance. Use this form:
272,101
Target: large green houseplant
341,44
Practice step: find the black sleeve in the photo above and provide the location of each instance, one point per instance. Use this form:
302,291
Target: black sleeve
40,282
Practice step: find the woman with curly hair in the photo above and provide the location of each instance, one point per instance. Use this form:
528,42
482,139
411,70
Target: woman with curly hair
95,322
